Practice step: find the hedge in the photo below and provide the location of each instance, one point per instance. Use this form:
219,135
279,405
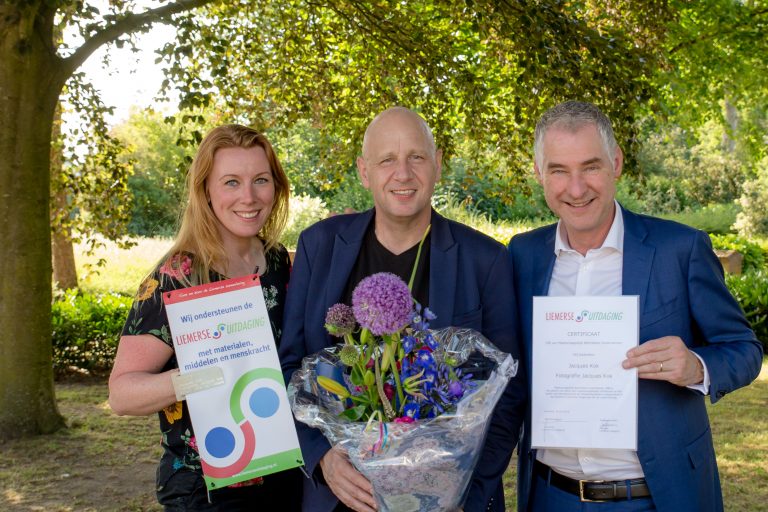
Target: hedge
86,327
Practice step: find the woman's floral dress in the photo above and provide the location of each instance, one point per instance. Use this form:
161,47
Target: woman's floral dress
148,316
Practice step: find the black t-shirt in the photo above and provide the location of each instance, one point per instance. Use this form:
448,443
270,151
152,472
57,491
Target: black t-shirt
374,257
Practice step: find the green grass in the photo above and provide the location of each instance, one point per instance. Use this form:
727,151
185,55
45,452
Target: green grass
741,443
99,463
121,270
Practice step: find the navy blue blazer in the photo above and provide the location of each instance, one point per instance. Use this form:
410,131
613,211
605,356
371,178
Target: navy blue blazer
469,286
682,293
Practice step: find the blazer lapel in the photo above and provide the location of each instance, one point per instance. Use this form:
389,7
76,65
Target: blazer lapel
638,258
443,268
544,265
346,247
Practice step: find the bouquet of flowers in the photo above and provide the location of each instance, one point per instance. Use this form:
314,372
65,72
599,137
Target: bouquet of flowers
409,405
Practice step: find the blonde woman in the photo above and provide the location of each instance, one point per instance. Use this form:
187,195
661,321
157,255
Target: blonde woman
237,206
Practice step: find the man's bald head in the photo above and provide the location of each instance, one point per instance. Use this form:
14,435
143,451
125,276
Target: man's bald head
400,112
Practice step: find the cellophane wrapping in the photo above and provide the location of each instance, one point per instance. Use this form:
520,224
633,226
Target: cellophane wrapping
422,466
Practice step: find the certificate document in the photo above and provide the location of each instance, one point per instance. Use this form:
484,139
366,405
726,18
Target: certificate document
581,396
243,423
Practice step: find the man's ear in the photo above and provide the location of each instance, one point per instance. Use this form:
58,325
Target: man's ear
537,173
618,163
438,165
362,171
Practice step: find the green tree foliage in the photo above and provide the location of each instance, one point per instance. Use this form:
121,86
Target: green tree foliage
714,52
713,69
159,170
89,191
479,71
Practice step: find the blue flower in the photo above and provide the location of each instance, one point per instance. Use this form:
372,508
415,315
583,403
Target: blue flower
420,319
430,378
406,368
424,358
409,342
431,341
411,410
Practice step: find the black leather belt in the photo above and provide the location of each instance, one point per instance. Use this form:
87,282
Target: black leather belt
588,490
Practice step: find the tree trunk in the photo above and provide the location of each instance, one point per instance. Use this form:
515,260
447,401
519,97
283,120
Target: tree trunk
30,83
732,118
64,269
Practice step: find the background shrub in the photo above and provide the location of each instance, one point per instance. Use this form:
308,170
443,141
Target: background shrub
682,169
753,219
303,212
86,329
755,257
350,194
716,218
751,290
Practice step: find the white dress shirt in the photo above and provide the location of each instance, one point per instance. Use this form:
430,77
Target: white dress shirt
599,273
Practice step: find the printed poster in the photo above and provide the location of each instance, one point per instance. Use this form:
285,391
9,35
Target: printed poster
243,428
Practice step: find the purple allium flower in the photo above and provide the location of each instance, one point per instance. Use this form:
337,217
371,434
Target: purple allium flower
382,303
339,320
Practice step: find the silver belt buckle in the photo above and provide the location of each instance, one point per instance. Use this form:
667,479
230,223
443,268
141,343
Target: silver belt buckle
581,490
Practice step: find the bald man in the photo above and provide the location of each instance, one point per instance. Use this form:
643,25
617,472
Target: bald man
462,275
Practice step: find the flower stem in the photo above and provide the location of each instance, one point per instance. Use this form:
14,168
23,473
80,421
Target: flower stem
418,257
388,411
396,373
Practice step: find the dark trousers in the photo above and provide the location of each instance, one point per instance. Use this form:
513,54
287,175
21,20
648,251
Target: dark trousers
185,491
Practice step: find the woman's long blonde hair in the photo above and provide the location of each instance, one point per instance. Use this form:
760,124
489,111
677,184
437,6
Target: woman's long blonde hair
198,233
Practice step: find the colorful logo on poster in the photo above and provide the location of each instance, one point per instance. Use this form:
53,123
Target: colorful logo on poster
220,441
218,332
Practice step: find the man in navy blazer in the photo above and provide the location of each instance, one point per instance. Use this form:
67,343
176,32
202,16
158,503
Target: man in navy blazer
694,339
465,280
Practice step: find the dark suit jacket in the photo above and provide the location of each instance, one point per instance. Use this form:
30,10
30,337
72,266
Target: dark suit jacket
470,285
682,293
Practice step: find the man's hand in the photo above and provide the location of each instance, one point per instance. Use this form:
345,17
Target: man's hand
667,359
349,485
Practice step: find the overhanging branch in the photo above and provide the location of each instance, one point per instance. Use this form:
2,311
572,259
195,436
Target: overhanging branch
130,23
